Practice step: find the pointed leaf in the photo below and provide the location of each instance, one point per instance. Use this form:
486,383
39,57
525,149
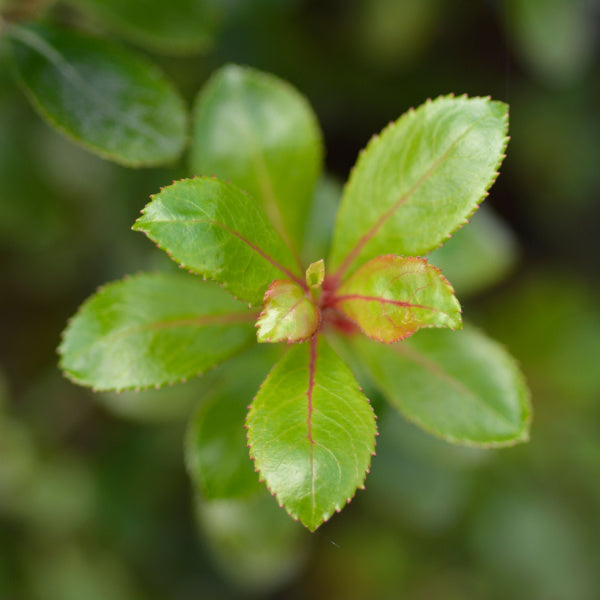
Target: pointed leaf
391,297
174,27
152,329
420,180
258,132
311,433
216,230
111,101
315,274
289,314
461,386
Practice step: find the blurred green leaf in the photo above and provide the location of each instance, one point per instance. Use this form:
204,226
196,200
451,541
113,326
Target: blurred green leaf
113,102
419,180
174,27
216,448
153,329
391,297
257,545
218,231
556,38
459,385
477,255
260,133
311,433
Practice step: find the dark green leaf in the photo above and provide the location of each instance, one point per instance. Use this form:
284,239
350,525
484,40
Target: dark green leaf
111,101
174,27
153,329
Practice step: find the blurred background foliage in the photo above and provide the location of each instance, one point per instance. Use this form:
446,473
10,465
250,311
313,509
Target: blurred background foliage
94,499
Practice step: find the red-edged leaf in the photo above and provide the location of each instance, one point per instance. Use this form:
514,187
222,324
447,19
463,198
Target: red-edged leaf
289,314
391,297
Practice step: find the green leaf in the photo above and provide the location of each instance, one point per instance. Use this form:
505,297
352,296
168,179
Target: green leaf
213,228
391,297
257,131
111,101
315,274
216,448
419,180
152,329
461,386
174,27
288,315
479,255
311,433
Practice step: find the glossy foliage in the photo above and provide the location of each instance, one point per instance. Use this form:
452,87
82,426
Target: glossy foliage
216,230
108,99
461,386
311,433
419,180
391,297
150,330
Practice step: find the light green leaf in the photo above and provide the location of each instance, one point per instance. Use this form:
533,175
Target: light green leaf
153,329
315,274
461,386
391,297
258,132
288,315
419,180
174,27
216,448
111,101
311,433
479,255
218,231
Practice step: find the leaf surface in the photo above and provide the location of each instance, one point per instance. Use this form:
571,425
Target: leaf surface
216,230
108,99
461,386
174,27
419,180
288,315
311,433
391,297
153,329
260,133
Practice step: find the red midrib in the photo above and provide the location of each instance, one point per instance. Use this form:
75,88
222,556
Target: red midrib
309,395
338,299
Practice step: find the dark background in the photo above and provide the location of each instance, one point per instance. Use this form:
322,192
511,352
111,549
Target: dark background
94,499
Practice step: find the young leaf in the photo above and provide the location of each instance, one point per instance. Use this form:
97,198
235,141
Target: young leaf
391,297
152,329
257,131
419,181
315,274
461,386
216,230
174,27
311,433
111,101
289,315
